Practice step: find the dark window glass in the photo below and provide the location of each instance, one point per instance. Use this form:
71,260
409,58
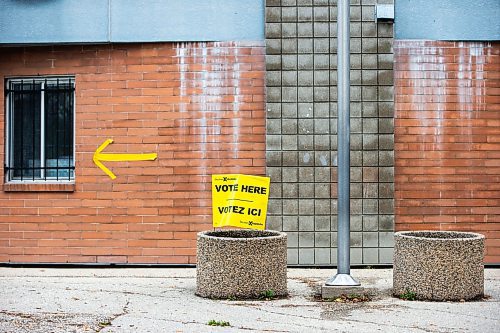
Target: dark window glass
41,129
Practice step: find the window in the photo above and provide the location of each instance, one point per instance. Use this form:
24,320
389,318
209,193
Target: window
40,129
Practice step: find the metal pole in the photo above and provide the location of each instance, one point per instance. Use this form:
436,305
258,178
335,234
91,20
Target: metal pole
343,277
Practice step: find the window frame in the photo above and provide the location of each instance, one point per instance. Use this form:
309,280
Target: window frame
9,124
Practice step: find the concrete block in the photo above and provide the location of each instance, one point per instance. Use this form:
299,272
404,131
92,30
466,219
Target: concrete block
289,62
321,13
305,14
355,29
293,239
386,141
306,174
369,29
289,142
273,62
305,45
322,239
370,222
289,30
306,239
321,45
321,29
289,126
290,190
370,255
289,14
273,46
289,110
322,256
273,14
273,158
290,223
370,190
306,256
305,78
273,30
305,94
306,207
386,206
386,190
385,61
386,158
370,206
273,142
369,45
370,125
292,256
305,29
289,94
289,45
306,223
369,77
322,143
322,223
306,158
305,142
369,93
386,174
290,207
385,255
386,239
386,222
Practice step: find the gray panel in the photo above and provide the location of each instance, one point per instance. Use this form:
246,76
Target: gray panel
448,19
56,21
180,20
100,21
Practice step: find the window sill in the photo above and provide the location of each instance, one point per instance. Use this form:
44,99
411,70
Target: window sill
39,187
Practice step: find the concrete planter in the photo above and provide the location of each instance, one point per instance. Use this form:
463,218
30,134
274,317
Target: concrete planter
241,263
439,265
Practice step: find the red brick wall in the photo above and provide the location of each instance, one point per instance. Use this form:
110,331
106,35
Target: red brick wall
200,106
447,138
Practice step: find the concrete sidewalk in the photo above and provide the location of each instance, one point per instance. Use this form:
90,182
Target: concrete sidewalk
162,300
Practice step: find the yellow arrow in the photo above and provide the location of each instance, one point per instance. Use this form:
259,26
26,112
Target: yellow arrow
98,157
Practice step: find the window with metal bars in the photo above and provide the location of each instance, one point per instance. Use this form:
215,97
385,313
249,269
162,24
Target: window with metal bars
40,129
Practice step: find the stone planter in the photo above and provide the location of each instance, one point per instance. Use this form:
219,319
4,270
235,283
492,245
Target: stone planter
241,263
439,265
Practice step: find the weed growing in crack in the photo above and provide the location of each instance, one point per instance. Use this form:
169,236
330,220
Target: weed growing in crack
408,295
267,295
220,323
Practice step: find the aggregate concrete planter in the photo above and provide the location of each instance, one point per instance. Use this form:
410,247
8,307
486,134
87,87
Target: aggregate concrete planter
439,265
241,263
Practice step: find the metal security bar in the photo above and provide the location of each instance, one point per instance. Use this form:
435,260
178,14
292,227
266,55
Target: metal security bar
40,129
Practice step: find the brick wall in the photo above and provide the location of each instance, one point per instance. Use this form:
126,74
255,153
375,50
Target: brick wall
301,56
200,106
447,138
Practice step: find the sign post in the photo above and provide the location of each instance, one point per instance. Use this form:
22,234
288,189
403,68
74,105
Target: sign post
343,277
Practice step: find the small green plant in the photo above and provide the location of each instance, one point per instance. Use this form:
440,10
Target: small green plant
220,323
232,298
105,323
267,295
352,298
408,295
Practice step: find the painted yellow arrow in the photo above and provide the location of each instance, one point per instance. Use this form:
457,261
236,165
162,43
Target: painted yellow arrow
98,157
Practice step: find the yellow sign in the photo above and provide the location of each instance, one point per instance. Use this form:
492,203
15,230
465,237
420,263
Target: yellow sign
98,157
240,201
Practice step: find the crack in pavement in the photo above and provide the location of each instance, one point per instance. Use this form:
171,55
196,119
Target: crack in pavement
115,316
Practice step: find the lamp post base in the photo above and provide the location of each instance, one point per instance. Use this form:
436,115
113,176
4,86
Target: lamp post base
342,280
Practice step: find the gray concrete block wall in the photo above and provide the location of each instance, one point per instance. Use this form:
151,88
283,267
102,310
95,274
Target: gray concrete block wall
301,46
